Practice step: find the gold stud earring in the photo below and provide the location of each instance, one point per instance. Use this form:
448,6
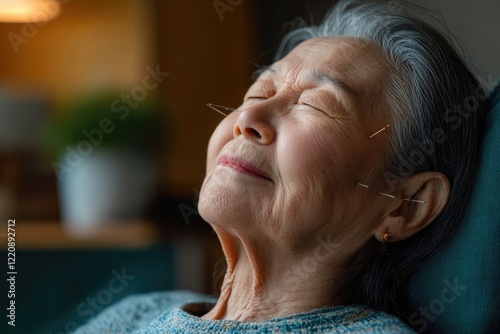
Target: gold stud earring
385,241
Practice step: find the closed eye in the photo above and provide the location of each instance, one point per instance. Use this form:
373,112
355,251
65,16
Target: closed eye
316,109
321,100
256,97
251,100
262,89
311,106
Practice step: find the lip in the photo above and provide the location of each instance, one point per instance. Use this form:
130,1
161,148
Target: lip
243,166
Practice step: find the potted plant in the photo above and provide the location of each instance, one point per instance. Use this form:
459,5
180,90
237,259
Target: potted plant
105,151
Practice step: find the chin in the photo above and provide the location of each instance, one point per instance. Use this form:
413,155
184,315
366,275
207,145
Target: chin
221,204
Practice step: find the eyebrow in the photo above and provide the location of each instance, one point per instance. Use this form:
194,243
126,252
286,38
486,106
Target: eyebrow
264,69
316,76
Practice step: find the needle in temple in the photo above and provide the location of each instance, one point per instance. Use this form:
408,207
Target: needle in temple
376,133
216,106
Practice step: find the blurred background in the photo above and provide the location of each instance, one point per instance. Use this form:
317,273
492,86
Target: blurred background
103,135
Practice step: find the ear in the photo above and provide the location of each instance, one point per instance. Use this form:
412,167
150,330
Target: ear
410,217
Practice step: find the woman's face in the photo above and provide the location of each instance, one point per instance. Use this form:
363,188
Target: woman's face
284,167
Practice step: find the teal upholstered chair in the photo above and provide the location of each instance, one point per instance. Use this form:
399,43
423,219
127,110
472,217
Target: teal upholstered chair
459,290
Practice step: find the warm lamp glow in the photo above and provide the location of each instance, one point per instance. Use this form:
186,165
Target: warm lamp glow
19,11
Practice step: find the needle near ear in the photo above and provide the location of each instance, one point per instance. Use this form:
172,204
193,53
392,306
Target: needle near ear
389,195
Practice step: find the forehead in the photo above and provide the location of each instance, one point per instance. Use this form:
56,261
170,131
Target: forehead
339,53
358,62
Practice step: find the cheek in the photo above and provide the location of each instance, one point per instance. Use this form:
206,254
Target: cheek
321,153
220,137
213,194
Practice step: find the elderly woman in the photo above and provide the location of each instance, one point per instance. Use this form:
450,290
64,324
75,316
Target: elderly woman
346,167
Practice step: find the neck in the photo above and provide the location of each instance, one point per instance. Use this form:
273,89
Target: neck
263,283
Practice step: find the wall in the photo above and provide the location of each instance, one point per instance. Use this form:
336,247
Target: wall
92,44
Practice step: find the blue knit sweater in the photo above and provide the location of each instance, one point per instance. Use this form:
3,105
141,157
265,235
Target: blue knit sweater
178,312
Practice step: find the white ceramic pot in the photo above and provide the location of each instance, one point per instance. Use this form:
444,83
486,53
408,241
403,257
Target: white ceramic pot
105,187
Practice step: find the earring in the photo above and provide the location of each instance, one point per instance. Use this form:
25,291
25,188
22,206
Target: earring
385,241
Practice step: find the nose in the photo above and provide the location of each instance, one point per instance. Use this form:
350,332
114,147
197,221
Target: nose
254,123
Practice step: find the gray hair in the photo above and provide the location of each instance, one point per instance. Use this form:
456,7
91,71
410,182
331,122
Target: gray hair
437,107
